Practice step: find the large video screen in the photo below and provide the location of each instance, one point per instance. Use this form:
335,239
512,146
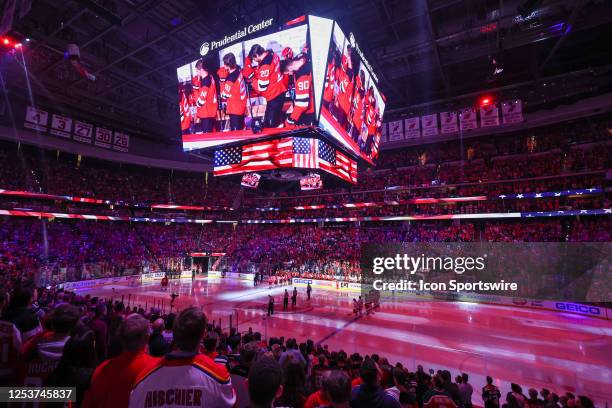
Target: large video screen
265,81
352,106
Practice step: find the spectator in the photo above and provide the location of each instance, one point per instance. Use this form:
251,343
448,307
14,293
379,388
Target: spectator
438,396
337,389
516,398
185,375
292,353
113,380
584,402
158,347
265,382
167,333
490,394
370,394
21,314
294,381
100,329
399,380
42,353
77,364
10,338
533,401
466,390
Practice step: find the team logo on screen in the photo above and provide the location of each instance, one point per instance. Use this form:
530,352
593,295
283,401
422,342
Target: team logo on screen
204,49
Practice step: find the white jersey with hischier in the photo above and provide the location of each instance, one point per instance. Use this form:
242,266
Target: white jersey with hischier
184,380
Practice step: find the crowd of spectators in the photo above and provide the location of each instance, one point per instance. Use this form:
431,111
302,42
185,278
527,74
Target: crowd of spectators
60,250
119,356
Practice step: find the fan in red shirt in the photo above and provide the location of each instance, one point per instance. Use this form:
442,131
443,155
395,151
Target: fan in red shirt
113,380
233,92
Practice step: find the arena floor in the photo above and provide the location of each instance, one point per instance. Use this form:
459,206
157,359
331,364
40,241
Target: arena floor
558,351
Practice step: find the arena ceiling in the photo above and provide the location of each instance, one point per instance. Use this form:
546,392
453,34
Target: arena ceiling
425,50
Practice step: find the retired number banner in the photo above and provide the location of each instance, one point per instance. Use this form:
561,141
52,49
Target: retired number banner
82,132
121,142
61,126
104,138
36,119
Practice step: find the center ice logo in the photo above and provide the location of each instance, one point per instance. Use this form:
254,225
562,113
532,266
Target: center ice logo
204,49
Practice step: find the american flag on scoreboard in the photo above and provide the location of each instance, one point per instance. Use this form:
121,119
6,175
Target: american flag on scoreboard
255,157
337,163
305,153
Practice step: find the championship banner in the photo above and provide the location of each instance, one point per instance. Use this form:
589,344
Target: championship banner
512,111
121,142
467,119
449,122
395,131
82,132
489,115
430,124
104,137
36,119
412,128
61,126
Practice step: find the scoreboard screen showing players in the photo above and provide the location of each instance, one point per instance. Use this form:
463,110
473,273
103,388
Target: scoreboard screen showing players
267,78
352,106
309,74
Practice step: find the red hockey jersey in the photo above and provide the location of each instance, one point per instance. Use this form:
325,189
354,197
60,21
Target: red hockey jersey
330,80
207,98
371,120
358,110
303,94
270,80
346,91
234,93
185,111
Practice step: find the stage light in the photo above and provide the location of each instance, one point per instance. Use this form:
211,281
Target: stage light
485,100
18,45
6,41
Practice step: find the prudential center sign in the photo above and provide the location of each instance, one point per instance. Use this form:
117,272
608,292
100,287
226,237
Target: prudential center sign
206,47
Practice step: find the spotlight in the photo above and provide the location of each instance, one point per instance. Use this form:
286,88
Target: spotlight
485,100
18,45
6,41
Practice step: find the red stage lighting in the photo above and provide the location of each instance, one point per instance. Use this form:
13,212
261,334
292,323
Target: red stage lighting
485,100
18,45
6,41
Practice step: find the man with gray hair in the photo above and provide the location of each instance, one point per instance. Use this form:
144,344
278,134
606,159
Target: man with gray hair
113,380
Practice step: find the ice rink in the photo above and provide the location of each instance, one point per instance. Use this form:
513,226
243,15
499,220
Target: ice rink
534,348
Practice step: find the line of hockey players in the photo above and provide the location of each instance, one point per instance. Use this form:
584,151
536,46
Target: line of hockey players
347,99
221,101
371,301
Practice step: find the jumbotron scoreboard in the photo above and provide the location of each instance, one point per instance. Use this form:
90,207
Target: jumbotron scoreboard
302,98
